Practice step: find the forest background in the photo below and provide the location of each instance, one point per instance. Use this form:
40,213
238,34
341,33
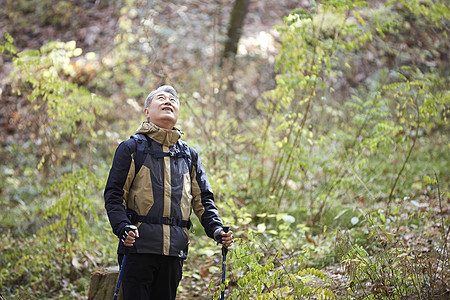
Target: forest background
323,126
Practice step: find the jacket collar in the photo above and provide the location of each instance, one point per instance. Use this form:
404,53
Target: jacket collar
166,137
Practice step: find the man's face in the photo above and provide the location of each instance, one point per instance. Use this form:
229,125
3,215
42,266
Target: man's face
163,110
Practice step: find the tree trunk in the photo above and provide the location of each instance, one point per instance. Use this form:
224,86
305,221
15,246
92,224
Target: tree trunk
103,284
237,18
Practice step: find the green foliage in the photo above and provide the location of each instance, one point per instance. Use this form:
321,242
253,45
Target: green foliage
54,247
40,266
309,54
8,47
25,14
345,139
46,74
73,204
395,271
129,63
301,120
18,187
262,273
434,11
312,151
395,265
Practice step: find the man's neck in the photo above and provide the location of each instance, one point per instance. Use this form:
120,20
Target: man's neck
166,137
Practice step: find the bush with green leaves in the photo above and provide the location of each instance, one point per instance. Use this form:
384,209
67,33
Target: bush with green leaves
46,73
321,158
394,262
58,250
260,270
357,115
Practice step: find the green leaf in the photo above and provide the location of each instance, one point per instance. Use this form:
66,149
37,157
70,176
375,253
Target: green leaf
358,17
10,48
261,227
70,45
9,38
382,217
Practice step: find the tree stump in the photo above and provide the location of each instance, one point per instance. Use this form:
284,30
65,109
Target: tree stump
103,284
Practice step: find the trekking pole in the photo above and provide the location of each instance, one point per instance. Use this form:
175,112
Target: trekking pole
224,264
124,260
119,281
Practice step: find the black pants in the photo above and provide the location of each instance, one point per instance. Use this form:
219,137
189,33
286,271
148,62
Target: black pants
149,276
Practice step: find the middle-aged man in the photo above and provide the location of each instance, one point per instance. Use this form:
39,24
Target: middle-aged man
155,182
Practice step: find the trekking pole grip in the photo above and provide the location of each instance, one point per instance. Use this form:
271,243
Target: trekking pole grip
225,249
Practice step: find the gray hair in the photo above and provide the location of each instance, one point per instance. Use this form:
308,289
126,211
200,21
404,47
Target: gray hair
163,88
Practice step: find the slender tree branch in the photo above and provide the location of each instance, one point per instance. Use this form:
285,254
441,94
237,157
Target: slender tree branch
405,162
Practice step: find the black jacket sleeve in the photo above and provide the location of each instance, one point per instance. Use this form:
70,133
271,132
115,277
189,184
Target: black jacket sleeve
203,197
114,203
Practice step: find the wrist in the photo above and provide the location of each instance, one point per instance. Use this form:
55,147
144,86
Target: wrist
217,236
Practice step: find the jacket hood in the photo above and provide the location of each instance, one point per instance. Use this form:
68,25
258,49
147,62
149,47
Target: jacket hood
166,137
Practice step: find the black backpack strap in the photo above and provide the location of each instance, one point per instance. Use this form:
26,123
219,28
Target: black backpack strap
142,145
186,153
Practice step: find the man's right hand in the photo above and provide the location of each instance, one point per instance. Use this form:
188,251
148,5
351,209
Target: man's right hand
129,234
